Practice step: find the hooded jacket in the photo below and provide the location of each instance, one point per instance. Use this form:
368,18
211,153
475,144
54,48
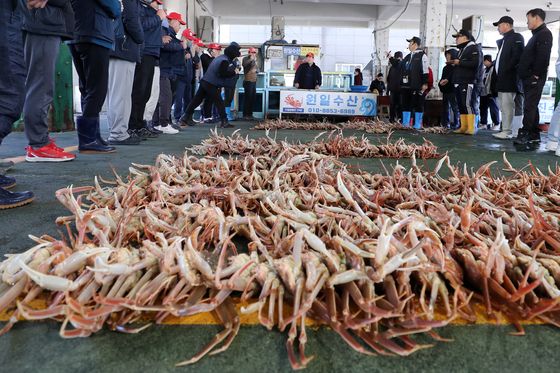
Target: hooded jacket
221,72
470,64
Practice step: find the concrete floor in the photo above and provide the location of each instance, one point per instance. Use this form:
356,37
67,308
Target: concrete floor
30,347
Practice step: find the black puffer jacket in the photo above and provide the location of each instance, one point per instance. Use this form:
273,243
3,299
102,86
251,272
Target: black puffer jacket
55,19
536,55
129,34
511,47
469,69
394,75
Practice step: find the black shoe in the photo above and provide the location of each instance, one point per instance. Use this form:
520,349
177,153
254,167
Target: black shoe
131,140
185,121
226,125
146,133
177,127
526,138
10,200
89,140
154,130
7,182
249,118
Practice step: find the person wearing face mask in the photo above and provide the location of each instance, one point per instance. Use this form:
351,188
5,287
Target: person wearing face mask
222,73
414,81
468,65
308,74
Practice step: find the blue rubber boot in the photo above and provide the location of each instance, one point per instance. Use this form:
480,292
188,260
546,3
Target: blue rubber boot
418,120
88,136
406,118
229,115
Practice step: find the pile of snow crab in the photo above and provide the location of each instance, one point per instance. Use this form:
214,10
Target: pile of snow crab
379,258
335,144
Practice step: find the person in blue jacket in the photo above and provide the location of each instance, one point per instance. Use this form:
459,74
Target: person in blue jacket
122,63
94,38
172,62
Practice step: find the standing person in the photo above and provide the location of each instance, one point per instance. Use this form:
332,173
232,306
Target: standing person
414,81
467,67
250,72
172,62
94,38
308,75
12,87
508,84
122,64
489,94
448,91
394,86
533,69
377,85
206,59
222,72
183,92
44,30
554,129
146,81
358,76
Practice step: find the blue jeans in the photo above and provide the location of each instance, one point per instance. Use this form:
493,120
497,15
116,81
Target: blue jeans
450,102
182,98
12,67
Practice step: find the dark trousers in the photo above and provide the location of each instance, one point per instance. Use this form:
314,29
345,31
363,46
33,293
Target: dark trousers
205,91
141,90
92,64
250,92
162,113
229,93
450,102
41,52
489,102
12,67
412,101
395,107
207,108
532,90
466,97
181,98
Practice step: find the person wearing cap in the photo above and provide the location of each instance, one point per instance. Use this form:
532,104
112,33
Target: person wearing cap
250,71
489,94
446,88
129,39
206,58
183,91
508,84
533,70
414,81
308,75
171,64
222,73
146,73
377,86
394,85
467,67
94,38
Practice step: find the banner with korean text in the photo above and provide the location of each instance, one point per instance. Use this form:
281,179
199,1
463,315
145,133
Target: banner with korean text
328,103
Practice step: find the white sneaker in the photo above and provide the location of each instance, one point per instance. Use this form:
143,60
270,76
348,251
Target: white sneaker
552,146
504,135
167,130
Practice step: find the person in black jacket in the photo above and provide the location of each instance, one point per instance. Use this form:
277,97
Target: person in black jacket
468,65
489,94
94,38
533,69
377,85
44,29
122,63
508,84
183,91
308,75
171,63
206,59
221,73
446,88
414,81
394,86
12,89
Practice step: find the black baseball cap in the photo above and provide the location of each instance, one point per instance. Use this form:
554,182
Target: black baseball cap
415,40
463,32
504,19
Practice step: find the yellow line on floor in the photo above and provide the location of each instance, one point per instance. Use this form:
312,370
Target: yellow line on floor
21,158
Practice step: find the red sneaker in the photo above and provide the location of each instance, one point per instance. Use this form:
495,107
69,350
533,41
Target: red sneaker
48,153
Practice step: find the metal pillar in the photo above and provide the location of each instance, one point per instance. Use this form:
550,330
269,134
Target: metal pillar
61,114
432,33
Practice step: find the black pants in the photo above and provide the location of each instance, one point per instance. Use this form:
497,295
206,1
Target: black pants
395,107
141,90
466,97
489,102
207,91
92,64
229,93
162,113
450,102
412,101
249,99
532,89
